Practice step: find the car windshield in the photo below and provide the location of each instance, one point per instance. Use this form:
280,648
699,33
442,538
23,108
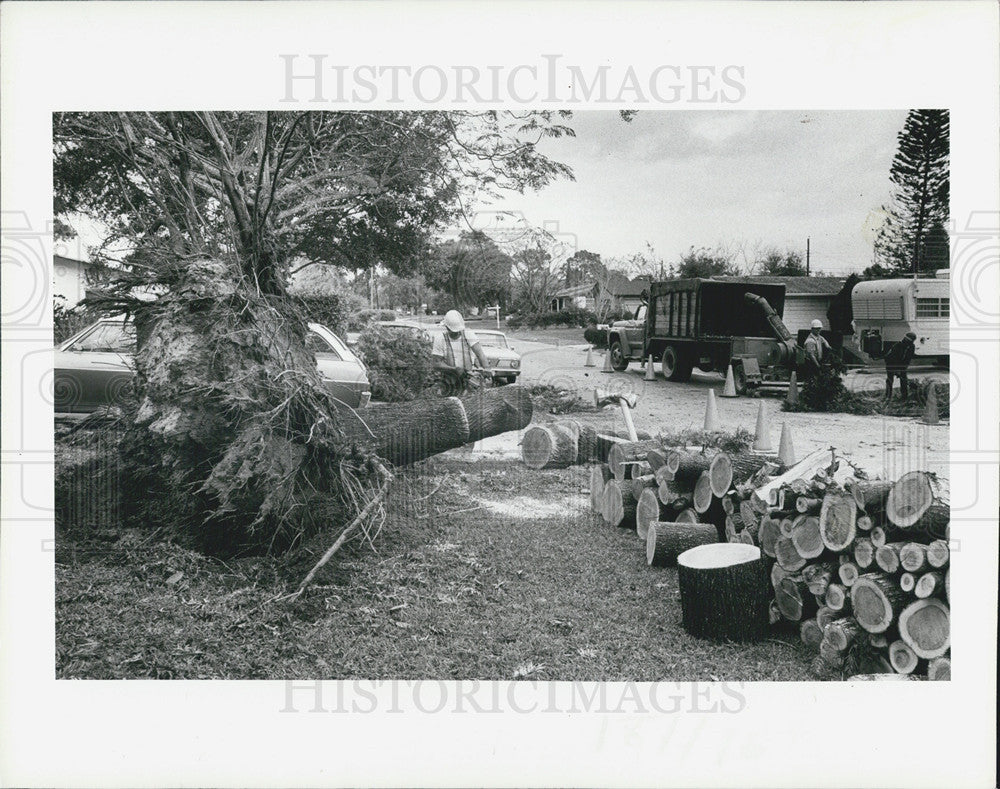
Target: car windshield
322,346
492,340
107,337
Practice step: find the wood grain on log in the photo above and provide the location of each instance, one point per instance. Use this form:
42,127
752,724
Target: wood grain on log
902,658
550,446
939,668
793,598
837,521
687,466
491,412
913,557
836,597
887,557
600,474
919,498
768,535
687,515
929,584
864,552
647,510
842,633
811,634
907,582
619,505
925,626
938,554
818,576
864,523
869,495
665,541
848,574
805,536
804,469
625,458
787,556
877,601
825,615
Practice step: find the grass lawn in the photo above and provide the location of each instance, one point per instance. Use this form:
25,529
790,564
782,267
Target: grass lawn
502,573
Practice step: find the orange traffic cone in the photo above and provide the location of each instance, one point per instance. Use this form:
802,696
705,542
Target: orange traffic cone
930,416
711,414
607,362
729,390
792,398
762,440
590,357
786,452
650,373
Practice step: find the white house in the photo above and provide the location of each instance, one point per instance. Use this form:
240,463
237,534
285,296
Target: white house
70,279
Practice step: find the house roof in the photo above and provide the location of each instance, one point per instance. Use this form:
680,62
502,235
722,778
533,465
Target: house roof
620,285
575,290
797,286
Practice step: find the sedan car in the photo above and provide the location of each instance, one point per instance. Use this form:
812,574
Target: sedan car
505,362
94,367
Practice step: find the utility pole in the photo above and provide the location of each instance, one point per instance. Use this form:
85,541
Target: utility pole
807,256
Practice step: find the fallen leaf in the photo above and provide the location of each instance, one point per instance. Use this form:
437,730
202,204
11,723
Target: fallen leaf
175,578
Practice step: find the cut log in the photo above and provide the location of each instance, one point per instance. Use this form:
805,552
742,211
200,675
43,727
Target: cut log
793,598
929,584
619,505
818,576
907,582
887,557
878,640
913,557
939,668
767,495
687,467
656,458
724,592
594,444
647,510
686,516
864,523
625,458
832,656
919,499
938,554
804,504
773,614
902,658
491,412
787,556
842,633
864,553
848,573
806,536
825,615
726,470
877,601
665,541
768,535
731,530
837,521
599,476
746,537
925,626
670,493
729,504
878,536
869,494
811,634
550,446
777,573
836,597
702,497
747,512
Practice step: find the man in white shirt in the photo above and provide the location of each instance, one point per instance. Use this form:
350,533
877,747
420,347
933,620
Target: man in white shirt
454,349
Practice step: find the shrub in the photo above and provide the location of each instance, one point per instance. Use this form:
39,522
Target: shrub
571,317
333,310
596,337
358,320
67,322
399,363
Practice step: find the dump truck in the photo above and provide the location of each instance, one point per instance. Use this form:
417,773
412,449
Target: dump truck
711,324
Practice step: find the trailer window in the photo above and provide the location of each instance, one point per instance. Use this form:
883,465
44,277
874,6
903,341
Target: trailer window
879,309
932,308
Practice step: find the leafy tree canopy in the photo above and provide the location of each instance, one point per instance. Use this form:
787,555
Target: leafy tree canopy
781,264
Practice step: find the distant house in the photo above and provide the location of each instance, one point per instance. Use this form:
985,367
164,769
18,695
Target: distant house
620,293
806,298
580,296
70,279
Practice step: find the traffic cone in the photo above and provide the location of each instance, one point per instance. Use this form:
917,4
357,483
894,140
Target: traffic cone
607,362
930,416
762,441
792,398
590,357
786,452
711,414
650,373
729,390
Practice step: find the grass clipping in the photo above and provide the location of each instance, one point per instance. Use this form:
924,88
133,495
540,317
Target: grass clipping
235,441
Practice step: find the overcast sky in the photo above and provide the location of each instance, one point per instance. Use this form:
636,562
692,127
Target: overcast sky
750,179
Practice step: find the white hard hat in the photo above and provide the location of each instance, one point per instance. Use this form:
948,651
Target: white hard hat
817,324
453,321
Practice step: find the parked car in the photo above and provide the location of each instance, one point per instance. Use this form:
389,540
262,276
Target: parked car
95,367
505,362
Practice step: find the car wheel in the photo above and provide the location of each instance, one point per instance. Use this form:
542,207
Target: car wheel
618,360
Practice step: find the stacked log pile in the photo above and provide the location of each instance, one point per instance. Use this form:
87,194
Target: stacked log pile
862,567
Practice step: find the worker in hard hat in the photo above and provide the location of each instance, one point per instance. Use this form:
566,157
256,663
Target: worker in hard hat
897,360
816,345
455,348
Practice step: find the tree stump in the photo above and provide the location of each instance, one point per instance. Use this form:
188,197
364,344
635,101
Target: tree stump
665,541
724,592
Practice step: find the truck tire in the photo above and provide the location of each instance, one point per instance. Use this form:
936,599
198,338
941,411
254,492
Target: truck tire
740,379
675,364
619,361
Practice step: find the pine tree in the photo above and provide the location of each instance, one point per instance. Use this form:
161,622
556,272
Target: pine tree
919,210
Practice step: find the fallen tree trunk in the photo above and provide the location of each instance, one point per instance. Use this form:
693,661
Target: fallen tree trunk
665,541
595,444
767,495
550,446
724,592
491,412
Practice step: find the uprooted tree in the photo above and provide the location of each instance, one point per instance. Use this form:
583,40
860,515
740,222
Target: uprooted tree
235,437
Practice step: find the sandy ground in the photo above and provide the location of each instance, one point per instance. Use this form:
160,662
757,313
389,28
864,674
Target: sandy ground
885,446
